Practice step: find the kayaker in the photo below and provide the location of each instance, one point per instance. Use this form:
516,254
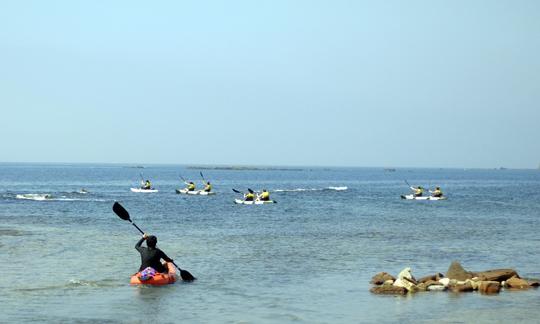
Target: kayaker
151,256
418,191
147,185
190,186
207,187
250,196
264,196
437,193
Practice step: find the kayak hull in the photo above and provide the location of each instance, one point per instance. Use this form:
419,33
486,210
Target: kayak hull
159,279
412,197
143,190
195,192
256,202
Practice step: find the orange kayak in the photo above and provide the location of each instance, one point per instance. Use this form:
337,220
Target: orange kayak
159,279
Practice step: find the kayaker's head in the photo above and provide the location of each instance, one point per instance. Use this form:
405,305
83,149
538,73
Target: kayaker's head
438,188
207,182
420,187
191,182
151,241
264,190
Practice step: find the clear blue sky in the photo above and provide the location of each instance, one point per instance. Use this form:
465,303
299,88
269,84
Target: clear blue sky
344,83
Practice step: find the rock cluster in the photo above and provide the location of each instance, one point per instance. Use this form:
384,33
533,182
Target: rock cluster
457,279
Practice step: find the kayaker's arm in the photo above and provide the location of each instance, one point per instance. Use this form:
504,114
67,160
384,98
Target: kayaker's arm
138,245
165,257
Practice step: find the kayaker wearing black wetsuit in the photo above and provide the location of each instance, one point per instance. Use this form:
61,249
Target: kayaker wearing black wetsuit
151,256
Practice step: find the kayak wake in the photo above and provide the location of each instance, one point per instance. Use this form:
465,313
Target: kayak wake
312,189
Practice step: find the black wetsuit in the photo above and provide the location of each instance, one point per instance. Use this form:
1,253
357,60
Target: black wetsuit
151,257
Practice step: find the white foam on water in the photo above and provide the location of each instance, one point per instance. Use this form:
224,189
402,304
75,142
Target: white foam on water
311,189
338,188
36,196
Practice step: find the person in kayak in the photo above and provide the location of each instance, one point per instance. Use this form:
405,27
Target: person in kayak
151,256
147,185
437,193
250,196
207,187
264,196
418,191
190,186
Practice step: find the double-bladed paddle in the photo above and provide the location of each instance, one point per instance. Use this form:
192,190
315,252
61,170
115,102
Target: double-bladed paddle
123,214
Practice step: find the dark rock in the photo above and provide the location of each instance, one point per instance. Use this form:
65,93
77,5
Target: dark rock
489,287
517,283
456,271
435,277
388,290
534,283
381,277
496,275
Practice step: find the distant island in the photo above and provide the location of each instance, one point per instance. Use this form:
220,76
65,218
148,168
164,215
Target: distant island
241,168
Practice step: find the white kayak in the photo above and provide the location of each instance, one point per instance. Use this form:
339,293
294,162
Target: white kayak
412,197
195,192
256,202
143,190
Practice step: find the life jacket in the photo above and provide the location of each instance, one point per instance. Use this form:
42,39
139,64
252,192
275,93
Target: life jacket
208,188
265,195
250,196
191,187
147,184
419,191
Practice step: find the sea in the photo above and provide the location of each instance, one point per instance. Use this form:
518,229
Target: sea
67,258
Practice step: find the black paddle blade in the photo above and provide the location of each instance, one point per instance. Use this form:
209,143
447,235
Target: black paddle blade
250,191
120,211
186,276
237,191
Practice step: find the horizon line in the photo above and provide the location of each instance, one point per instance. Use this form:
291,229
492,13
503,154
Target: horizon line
202,165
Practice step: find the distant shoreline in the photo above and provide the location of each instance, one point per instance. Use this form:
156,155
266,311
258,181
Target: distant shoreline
242,168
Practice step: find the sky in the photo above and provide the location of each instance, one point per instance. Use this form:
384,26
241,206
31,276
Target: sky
316,83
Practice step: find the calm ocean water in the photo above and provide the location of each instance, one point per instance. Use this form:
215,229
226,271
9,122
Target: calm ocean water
307,259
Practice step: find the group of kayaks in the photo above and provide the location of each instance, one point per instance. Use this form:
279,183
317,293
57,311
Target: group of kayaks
171,276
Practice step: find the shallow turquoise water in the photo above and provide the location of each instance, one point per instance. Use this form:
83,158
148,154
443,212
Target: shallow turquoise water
307,259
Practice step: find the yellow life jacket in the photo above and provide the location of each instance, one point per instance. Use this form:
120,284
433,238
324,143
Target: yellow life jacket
418,191
208,188
250,196
191,187
265,195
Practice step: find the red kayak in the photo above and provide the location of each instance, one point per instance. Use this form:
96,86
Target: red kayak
159,279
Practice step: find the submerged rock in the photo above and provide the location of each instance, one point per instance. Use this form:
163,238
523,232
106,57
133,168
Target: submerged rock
461,287
489,287
388,290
